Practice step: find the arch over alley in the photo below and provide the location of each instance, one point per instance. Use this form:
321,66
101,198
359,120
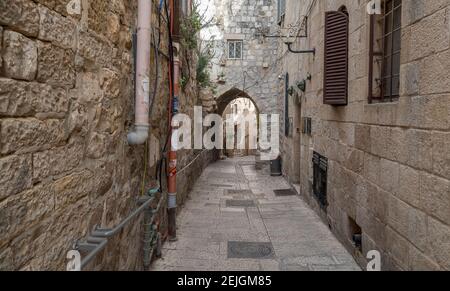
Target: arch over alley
232,94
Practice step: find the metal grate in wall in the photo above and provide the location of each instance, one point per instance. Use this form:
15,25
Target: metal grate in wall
285,192
320,164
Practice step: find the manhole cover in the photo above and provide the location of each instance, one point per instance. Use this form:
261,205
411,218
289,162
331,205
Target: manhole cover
239,192
250,250
240,203
285,192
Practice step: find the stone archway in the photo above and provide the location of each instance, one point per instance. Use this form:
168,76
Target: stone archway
226,98
223,102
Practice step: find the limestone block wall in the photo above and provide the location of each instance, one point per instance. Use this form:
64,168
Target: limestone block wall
256,73
66,105
388,163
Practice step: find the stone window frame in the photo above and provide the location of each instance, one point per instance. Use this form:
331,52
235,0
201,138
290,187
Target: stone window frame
234,42
384,63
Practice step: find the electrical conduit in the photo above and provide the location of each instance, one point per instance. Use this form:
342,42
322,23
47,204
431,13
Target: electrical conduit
174,87
172,179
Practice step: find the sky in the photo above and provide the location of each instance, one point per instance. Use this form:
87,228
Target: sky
209,8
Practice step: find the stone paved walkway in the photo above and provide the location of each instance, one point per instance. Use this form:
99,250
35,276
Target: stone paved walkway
216,233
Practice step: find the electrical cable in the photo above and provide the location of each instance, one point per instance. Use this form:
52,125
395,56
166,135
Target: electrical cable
171,75
274,65
156,46
163,160
311,7
145,168
155,86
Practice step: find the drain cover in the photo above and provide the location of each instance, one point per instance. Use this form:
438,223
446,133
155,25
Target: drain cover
240,203
285,192
239,192
250,250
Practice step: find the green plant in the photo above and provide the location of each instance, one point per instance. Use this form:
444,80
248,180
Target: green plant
190,27
183,82
203,76
301,85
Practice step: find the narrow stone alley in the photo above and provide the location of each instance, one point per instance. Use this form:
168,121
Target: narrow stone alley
116,117
233,220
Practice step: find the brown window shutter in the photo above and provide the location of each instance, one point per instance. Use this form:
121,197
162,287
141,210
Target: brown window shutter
336,58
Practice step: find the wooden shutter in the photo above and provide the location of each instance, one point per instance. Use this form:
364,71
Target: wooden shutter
336,58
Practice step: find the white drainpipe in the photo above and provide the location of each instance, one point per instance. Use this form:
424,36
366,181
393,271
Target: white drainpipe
140,133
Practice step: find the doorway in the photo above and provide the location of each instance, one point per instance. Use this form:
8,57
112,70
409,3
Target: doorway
296,148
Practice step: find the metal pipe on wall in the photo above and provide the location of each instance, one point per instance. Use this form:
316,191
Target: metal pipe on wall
172,179
99,238
142,95
107,233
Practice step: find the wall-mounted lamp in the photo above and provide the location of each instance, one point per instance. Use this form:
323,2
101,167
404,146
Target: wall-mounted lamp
291,90
301,85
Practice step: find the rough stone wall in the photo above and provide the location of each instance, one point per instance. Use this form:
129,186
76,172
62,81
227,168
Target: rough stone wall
388,163
66,105
256,73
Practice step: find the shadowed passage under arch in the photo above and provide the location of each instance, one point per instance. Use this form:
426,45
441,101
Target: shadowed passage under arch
225,99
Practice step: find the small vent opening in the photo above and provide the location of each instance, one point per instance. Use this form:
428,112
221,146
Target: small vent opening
355,233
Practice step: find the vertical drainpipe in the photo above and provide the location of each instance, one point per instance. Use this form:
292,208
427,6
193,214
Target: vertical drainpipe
172,179
142,103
